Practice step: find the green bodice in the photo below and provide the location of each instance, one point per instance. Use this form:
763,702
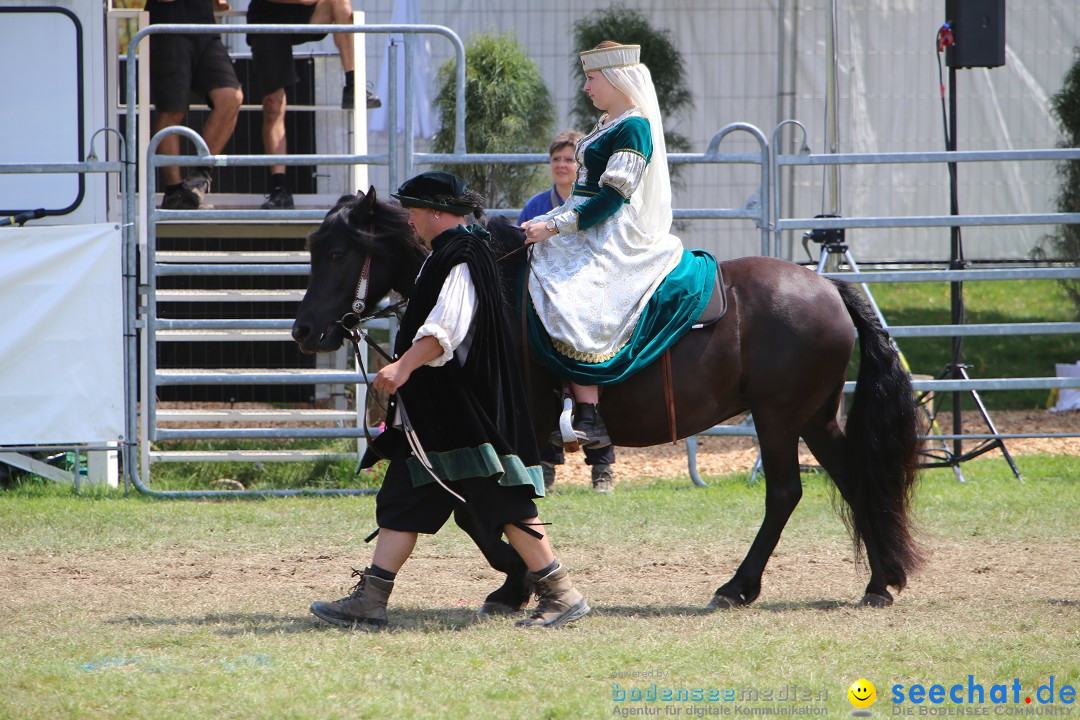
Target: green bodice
630,135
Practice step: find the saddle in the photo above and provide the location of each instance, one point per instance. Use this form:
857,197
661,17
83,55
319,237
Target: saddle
715,309
717,305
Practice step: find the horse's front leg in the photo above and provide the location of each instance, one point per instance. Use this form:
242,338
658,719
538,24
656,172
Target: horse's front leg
516,590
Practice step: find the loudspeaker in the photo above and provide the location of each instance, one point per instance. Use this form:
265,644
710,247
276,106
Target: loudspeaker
979,28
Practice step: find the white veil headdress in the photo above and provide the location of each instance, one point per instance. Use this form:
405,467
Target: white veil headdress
635,81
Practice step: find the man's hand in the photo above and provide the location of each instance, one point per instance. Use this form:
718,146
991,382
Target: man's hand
397,373
219,5
391,377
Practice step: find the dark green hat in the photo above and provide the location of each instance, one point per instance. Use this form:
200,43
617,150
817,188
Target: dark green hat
437,190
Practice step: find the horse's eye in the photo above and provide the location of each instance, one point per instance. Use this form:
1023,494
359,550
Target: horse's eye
337,257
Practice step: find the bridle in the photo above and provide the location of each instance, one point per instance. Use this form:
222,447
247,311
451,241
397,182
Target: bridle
352,323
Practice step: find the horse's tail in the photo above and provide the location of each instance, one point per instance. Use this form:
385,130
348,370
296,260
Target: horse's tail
882,447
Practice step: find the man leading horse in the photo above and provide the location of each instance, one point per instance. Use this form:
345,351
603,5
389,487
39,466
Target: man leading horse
459,434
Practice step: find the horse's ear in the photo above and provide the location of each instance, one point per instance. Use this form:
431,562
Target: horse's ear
364,208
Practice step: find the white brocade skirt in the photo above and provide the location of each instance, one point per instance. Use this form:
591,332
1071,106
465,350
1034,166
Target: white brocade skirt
589,288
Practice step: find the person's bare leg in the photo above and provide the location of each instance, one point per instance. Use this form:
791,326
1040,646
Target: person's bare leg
273,127
585,393
393,548
222,120
536,552
560,602
337,12
169,145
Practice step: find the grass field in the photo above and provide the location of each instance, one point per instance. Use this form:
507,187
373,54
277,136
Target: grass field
128,607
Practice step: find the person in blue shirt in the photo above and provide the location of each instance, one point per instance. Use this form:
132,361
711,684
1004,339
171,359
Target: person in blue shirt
563,173
564,169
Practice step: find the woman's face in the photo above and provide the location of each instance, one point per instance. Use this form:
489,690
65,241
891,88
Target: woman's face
563,165
603,94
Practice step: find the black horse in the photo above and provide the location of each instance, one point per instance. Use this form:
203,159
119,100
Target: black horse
781,352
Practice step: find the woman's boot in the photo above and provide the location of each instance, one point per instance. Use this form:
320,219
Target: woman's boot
589,426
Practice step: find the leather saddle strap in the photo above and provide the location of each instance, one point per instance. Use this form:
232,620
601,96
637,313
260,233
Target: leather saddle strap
669,394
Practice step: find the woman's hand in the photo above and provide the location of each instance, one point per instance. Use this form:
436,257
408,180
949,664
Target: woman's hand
536,231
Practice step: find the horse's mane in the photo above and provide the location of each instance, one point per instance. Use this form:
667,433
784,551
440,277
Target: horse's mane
506,237
385,230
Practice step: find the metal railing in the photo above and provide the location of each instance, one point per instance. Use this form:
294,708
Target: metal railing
762,208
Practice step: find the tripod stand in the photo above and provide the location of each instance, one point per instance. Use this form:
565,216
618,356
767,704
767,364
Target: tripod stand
834,255
955,369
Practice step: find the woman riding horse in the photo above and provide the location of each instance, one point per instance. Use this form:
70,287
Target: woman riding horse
599,259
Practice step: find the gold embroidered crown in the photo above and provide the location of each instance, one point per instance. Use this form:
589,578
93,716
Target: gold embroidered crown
608,57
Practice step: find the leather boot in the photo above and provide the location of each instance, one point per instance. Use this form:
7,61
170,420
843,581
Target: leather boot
560,602
603,479
589,426
364,607
509,599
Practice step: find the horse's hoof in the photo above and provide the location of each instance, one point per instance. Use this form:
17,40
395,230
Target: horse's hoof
875,601
722,602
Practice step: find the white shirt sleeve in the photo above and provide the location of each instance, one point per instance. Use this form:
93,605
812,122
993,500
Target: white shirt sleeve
450,321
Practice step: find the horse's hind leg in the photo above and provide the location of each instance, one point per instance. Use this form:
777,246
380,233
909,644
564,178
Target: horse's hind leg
825,440
783,490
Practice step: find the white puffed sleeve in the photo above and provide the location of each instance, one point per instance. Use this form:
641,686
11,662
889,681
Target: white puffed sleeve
624,171
450,321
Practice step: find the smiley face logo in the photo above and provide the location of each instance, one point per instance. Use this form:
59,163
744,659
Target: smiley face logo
862,693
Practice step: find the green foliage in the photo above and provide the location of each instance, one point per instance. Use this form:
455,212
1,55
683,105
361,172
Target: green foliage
658,52
1064,244
508,109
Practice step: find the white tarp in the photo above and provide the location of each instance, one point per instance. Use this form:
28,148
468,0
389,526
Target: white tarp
61,335
406,12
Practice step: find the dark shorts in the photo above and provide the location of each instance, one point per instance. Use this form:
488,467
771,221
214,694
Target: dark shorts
425,509
185,66
271,55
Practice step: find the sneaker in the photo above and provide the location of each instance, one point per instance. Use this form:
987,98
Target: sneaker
196,185
177,200
603,479
280,199
348,98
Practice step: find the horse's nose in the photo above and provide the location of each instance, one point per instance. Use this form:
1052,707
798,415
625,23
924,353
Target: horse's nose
301,331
